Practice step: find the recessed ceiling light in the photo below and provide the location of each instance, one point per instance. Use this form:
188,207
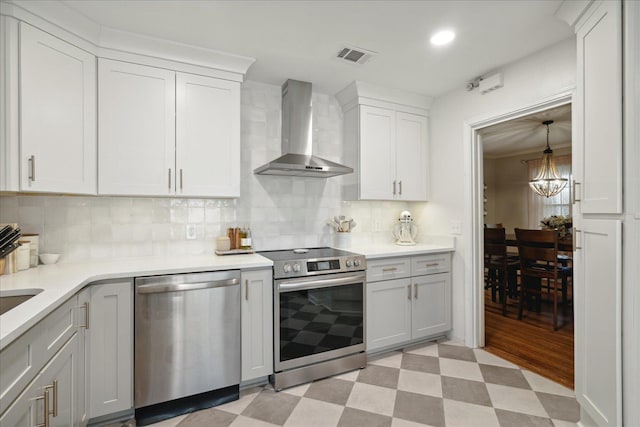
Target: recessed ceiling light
442,37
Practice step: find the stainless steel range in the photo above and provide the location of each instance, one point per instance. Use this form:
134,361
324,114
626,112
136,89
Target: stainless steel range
319,312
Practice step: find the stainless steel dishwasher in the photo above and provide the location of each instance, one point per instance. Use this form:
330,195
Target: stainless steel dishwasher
187,343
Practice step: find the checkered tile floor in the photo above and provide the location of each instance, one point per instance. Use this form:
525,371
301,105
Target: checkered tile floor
436,384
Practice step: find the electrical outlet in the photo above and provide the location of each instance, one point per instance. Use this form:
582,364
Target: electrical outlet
377,225
455,227
191,231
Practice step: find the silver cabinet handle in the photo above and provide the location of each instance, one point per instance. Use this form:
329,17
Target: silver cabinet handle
169,178
409,291
180,179
575,198
54,387
45,411
389,269
434,264
415,290
400,192
86,315
32,168
246,289
575,239
394,188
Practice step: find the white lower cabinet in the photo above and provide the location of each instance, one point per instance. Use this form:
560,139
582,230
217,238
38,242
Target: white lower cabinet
411,306
52,393
257,324
109,348
388,313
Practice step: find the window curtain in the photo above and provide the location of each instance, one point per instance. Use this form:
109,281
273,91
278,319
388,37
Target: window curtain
541,207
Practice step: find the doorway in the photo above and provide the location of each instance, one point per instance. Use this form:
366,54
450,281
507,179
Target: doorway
474,218
511,158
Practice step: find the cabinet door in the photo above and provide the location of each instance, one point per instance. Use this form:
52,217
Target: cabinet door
208,136
598,112
257,324
57,115
59,379
388,313
431,307
377,153
137,129
597,305
411,156
110,348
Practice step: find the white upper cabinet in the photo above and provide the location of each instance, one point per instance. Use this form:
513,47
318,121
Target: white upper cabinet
164,133
208,136
386,143
137,129
411,156
57,115
598,112
377,168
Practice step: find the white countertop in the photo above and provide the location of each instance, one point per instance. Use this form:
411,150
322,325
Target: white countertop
386,250
59,282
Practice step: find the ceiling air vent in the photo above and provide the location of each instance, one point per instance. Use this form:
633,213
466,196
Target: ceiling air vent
355,55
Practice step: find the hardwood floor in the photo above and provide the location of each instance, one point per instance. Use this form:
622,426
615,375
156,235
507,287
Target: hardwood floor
531,342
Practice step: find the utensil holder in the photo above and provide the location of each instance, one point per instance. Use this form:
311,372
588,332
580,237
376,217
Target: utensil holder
342,240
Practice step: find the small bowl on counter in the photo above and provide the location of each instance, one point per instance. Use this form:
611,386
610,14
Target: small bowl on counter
49,258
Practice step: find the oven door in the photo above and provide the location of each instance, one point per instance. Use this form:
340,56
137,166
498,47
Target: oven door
318,318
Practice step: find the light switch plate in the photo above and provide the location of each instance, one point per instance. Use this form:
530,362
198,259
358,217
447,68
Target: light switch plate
191,231
455,227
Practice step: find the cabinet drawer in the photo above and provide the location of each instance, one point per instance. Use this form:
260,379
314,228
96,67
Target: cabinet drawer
387,269
430,264
25,357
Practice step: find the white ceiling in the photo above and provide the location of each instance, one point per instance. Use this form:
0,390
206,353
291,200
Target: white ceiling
528,134
300,39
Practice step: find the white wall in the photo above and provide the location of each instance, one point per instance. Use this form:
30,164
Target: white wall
283,212
531,79
508,191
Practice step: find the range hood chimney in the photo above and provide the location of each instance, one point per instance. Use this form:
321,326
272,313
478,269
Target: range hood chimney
297,130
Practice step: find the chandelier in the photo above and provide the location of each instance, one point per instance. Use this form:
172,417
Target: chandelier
548,182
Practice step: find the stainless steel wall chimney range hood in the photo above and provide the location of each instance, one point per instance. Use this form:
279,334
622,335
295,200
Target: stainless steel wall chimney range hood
297,158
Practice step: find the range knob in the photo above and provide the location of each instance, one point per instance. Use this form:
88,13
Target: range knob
356,262
348,263
287,268
296,267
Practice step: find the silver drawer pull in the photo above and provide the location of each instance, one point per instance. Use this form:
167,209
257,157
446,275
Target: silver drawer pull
433,264
400,192
409,291
394,188
415,290
389,269
246,289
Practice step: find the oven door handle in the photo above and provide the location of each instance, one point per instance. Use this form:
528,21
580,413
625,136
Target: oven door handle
323,283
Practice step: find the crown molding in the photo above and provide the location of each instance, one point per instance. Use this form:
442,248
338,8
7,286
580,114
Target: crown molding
66,23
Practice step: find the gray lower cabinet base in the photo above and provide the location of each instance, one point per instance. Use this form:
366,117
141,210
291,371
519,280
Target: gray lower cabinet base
111,418
281,380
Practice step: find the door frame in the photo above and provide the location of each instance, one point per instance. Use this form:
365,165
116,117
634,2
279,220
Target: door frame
474,211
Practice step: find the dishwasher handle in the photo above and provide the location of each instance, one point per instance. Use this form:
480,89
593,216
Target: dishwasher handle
180,287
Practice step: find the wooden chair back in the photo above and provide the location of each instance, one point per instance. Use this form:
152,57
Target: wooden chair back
497,225
495,243
537,248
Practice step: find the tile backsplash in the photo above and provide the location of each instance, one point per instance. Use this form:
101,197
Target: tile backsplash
283,212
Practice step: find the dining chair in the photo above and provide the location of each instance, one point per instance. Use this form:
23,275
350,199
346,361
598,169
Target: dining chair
502,269
538,251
